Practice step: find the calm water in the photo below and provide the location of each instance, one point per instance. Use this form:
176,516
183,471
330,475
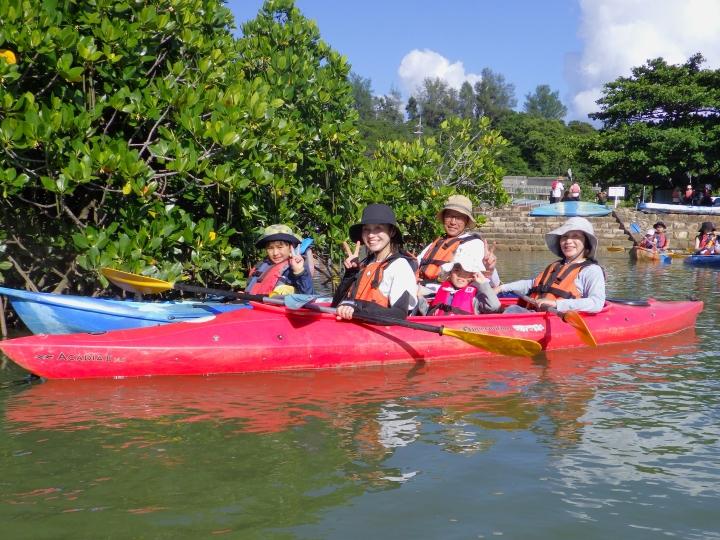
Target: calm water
618,442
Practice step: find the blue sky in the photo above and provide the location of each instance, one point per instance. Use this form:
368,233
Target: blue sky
572,45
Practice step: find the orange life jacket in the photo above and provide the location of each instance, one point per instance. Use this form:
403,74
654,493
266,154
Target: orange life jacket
267,279
557,281
369,277
441,251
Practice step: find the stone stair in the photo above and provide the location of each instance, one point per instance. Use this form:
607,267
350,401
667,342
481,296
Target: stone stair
515,230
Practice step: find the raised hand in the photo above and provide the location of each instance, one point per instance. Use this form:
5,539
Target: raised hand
297,263
479,277
490,260
353,257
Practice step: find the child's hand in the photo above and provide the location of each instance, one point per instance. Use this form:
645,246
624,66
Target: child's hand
353,256
419,291
490,259
297,263
480,278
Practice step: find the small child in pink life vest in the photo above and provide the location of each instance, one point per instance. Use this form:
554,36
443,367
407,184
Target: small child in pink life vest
465,291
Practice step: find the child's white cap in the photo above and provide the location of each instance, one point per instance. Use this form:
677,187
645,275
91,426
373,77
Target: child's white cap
469,259
650,232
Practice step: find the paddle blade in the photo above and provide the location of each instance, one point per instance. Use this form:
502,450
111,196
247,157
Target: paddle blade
506,346
574,319
615,248
136,284
298,301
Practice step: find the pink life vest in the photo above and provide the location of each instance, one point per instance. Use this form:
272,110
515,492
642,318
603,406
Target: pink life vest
267,281
461,302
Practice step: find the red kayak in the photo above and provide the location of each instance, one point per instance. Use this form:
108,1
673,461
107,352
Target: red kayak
271,402
270,338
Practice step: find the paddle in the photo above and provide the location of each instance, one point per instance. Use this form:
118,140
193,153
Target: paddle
146,285
504,345
573,318
615,248
628,302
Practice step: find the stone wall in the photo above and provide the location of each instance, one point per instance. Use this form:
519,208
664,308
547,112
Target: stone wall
681,228
515,230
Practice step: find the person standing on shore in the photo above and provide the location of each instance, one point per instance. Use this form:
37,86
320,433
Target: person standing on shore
557,190
575,192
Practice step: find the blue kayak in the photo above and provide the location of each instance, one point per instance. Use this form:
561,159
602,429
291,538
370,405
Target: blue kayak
703,260
571,209
45,313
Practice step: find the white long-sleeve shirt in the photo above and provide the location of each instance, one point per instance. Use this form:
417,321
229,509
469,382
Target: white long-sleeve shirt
590,282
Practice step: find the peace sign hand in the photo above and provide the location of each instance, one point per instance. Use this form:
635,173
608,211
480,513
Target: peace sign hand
490,260
353,257
297,263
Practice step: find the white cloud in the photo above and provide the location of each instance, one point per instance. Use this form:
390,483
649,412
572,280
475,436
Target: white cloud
621,34
417,65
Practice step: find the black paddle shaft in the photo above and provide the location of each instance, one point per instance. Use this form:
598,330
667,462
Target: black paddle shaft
552,310
219,292
379,319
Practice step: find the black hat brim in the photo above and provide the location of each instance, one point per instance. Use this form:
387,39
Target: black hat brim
265,240
356,231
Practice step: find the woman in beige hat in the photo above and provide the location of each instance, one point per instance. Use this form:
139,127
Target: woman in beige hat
575,282
456,216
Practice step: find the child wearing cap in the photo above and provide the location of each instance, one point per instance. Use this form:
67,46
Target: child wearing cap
705,241
575,282
649,241
661,240
384,282
284,270
466,291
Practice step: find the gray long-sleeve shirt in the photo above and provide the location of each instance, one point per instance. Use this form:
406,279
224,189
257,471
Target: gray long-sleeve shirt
590,282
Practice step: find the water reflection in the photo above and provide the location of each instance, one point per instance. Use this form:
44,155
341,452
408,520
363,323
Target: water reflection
588,443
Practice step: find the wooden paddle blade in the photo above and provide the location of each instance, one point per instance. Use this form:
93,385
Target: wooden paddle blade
506,346
136,284
574,319
615,248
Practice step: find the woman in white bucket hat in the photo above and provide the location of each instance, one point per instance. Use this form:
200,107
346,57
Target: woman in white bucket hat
576,281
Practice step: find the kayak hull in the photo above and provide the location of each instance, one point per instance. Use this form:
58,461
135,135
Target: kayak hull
45,313
269,338
642,254
659,208
703,260
570,209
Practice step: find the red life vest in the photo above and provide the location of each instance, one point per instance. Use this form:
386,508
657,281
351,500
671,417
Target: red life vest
441,251
575,188
268,279
706,242
452,301
661,241
370,274
647,243
557,281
